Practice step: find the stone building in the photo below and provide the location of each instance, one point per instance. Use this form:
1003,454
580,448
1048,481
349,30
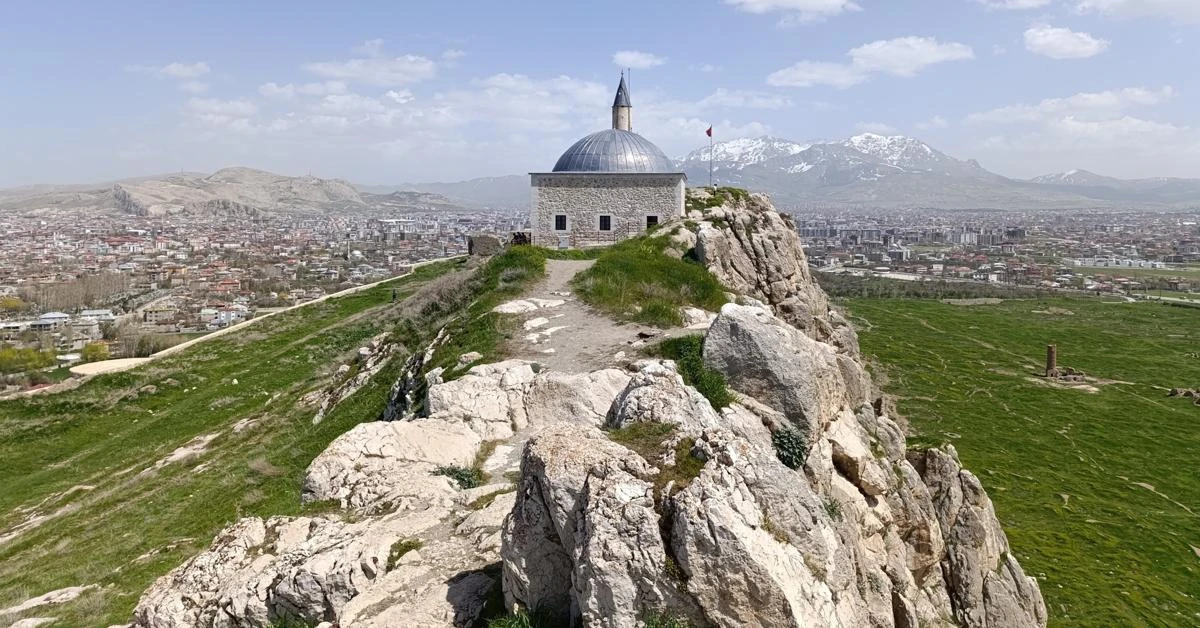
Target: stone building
609,186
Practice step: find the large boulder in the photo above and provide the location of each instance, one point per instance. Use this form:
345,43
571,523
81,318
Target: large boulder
755,251
984,579
765,358
583,540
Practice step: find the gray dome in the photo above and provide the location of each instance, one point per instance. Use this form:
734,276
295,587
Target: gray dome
614,150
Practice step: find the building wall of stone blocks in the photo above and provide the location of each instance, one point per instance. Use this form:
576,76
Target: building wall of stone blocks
584,197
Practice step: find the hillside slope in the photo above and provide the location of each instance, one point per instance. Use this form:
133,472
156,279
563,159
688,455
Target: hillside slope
231,191
632,489
112,484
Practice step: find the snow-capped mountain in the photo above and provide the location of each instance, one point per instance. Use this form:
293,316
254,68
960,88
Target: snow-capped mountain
1075,177
1162,190
742,152
876,171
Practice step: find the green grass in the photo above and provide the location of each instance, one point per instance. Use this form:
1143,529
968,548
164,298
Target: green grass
634,280
400,548
504,277
644,438
688,354
1062,466
85,453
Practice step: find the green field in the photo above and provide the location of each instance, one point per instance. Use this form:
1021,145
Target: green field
87,460
1099,492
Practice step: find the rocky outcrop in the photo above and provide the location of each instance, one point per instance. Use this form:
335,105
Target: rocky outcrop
797,505
857,535
345,568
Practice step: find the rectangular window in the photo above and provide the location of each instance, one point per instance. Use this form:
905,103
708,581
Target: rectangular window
606,223
651,221
560,222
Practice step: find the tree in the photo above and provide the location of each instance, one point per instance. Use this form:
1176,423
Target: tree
12,305
95,352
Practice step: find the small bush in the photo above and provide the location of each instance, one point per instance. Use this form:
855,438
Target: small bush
688,354
659,619
524,619
790,446
464,477
400,548
833,508
687,467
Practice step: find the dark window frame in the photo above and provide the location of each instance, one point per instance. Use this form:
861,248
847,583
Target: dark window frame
652,220
603,219
565,222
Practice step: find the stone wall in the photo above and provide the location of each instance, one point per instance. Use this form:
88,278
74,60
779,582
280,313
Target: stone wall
583,198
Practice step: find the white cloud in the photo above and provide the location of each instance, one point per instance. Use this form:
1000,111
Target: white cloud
812,73
343,104
1182,10
1086,105
903,56
185,73
1013,5
379,71
1098,131
496,124
936,122
370,48
184,70
708,68
400,97
797,11
875,127
453,54
744,99
236,108
288,91
1062,43
194,87
637,59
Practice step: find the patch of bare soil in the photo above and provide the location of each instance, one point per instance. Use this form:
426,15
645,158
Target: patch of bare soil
564,334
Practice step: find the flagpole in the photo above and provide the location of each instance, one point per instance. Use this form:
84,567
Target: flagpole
710,157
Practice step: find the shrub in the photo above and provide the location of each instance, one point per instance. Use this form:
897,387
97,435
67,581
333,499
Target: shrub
464,477
688,354
400,548
790,446
833,508
660,619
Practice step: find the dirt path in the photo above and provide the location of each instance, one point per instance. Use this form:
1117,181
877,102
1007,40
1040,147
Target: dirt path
570,336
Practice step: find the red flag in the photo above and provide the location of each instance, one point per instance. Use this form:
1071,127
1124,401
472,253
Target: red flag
709,131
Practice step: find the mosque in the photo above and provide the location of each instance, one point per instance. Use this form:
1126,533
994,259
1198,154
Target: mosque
611,185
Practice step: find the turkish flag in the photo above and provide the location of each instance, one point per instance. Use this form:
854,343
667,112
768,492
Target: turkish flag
709,131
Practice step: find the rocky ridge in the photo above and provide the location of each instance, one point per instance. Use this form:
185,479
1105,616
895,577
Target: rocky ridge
798,505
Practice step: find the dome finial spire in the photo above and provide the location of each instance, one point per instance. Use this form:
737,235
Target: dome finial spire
622,111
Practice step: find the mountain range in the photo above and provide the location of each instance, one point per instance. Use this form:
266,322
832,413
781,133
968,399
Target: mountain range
864,171
227,192
870,170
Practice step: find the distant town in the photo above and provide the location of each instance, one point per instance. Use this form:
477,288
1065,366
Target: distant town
1127,253
83,288
107,286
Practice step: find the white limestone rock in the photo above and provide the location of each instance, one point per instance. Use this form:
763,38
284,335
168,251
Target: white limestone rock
765,358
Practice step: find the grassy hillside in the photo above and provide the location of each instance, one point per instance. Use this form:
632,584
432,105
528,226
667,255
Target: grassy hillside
91,460
1099,492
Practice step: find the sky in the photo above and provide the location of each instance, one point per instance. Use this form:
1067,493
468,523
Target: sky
391,92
